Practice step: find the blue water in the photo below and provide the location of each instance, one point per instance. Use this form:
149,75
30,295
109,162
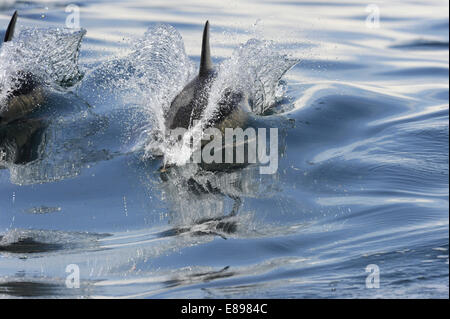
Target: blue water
363,168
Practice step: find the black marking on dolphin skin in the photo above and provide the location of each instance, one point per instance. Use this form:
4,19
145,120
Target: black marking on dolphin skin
11,26
20,141
30,151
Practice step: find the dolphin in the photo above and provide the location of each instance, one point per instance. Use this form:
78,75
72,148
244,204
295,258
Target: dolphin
27,94
189,105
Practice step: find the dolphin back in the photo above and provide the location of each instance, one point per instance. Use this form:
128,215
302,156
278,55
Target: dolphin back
189,104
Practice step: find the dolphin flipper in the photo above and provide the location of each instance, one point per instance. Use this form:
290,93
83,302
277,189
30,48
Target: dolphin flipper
206,65
10,30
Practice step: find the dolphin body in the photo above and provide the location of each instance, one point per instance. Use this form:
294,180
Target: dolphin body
26,96
189,104
19,141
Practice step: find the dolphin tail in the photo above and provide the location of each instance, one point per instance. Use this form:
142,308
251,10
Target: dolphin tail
12,24
205,60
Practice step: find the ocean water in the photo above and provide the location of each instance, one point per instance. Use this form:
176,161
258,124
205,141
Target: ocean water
359,93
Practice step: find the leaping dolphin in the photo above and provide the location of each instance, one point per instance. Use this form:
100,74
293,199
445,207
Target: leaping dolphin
26,95
189,105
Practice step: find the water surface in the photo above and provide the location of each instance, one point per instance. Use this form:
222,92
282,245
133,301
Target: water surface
363,168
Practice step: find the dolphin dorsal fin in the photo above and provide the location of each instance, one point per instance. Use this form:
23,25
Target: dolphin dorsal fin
10,30
205,59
